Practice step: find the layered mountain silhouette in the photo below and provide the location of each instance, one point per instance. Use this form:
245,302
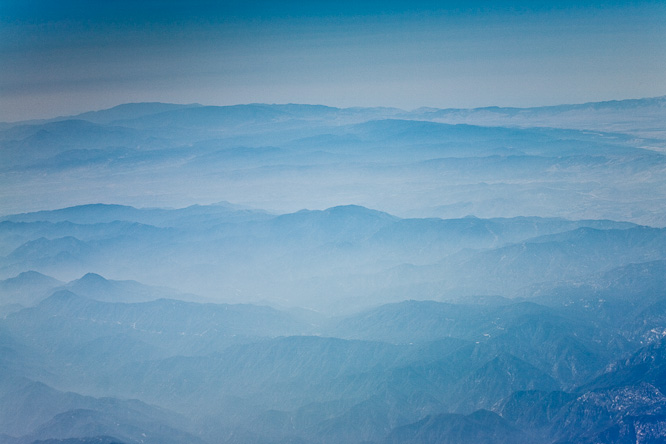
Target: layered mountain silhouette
576,161
493,275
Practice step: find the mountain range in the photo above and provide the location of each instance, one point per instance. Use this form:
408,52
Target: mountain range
307,274
577,161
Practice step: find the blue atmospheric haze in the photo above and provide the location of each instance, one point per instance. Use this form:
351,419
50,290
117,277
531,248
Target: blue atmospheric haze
391,276
332,222
70,56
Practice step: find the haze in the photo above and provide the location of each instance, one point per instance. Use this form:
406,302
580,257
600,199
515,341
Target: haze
449,228
71,56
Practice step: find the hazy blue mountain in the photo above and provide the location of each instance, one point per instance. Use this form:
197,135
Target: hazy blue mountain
96,287
18,359
56,137
628,300
84,214
462,140
278,373
478,427
135,427
533,409
30,406
26,288
348,255
51,256
418,321
14,234
621,405
486,275
170,325
622,414
191,216
569,350
450,235
213,117
639,115
311,155
295,366
125,349
496,380
347,224
592,250
43,249
250,115
92,440
370,419
646,366
565,256
130,111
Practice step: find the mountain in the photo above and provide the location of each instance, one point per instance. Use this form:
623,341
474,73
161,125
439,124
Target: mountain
628,299
646,366
137,427
485,275
91,440
171,325
212,117
108,213
96,287
418,321
48,139
619,414
36,411
43,249
479,427
533,409
350,223
450,235
130,111
203,359
352,257
496,380
151,115
52,256
81,214
564,256
26,288
419,164
634,115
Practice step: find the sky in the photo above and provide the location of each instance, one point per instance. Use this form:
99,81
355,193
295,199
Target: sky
63,57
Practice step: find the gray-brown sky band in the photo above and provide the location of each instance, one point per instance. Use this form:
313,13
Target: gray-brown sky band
64,57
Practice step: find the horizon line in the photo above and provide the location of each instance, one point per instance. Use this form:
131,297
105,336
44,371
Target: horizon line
197,105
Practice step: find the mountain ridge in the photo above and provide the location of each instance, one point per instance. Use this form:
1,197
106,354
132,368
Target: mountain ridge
140,109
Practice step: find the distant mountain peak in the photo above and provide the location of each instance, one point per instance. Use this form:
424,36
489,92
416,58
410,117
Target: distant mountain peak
131,111
92,277
67,212
60,297
355,209
31,277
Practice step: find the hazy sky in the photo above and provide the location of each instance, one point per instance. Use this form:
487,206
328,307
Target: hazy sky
67,56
